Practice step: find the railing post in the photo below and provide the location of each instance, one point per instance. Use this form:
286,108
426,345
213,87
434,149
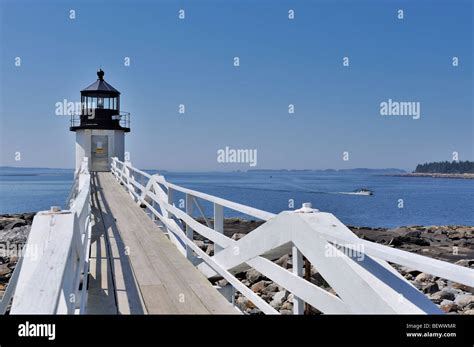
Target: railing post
297,258
129,177
189,230
170,202
218,224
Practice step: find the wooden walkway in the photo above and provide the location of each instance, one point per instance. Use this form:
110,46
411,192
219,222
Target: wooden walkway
134,267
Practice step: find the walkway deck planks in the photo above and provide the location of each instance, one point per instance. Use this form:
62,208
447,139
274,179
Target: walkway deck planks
143,257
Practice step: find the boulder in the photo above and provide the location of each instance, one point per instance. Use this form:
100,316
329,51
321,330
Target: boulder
222,283
448,294
447,306
273,287
253,275
243,303
402,240
15,223
287,306
406,270
283,261
259,287
7,221
210,249
200,244
444,294
465,262
430,288
15,235
424,277
413,233
4,269
237,236
464,300
278,299
462,287
441,283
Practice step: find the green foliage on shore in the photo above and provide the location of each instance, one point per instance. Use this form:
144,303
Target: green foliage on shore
454,167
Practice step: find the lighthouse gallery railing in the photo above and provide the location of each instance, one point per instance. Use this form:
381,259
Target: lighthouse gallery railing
359,271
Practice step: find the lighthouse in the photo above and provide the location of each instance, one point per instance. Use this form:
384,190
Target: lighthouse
100,127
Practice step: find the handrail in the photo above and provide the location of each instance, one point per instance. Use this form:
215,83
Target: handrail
369,285
53,275
251,211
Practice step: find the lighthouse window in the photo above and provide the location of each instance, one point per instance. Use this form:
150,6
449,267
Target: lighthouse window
90,102
100,102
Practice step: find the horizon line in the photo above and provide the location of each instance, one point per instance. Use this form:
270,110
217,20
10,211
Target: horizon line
216,170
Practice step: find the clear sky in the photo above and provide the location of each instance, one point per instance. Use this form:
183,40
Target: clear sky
282,62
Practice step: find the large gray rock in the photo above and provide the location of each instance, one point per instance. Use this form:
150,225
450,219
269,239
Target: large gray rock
4,269
273,288
287,306
237,236
424,277
283,261
463,300
210,249
448,294
259,287
253,275
430,288
447,306
278,299
15,235
243,303
200,244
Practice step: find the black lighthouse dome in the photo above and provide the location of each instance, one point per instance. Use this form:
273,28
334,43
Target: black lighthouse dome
100,108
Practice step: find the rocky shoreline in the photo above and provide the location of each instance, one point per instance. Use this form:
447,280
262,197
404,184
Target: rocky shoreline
435,175
14,230
454,244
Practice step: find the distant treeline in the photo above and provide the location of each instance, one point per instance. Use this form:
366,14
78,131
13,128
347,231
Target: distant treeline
446,167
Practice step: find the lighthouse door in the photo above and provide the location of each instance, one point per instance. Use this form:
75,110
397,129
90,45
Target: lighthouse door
99,153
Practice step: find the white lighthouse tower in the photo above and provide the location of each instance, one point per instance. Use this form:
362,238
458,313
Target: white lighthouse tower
101,127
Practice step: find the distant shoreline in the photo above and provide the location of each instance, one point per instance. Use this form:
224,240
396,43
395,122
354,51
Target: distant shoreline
434,175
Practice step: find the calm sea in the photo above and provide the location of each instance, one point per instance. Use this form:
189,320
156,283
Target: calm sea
426,201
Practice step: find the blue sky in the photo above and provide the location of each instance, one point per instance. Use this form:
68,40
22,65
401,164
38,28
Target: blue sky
283,62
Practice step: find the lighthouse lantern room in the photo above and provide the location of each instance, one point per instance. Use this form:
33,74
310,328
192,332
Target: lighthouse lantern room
100,127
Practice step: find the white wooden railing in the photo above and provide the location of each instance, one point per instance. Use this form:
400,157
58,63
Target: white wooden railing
357,270
53,273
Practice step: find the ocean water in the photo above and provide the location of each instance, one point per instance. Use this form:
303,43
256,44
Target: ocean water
426,201
31,190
